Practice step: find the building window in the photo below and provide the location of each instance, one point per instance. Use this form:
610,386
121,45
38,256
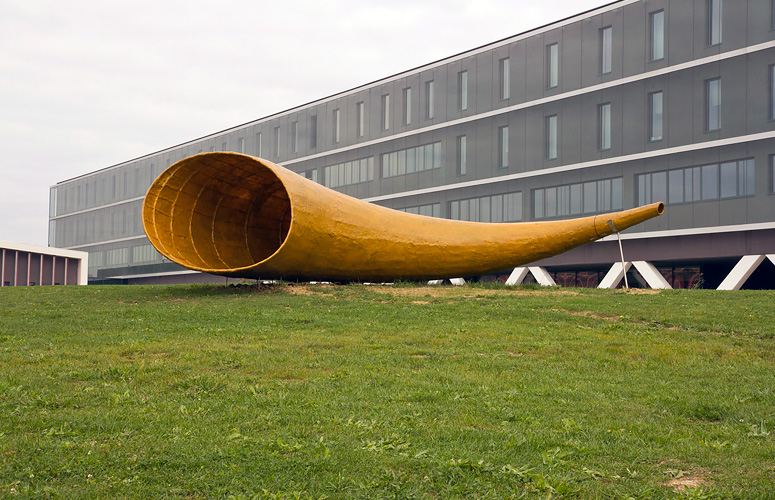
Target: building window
551,137
606,49
462,155
276,142
311,174
576,199
351,172
505,78
772,173
772,91
503,147
429,97
712,104
385,111
313,131
552,65
241,144
412,160
729,179
336,128
295,137
604,126
258,144
430,210
360,117
407,105
498,208
772,14
655,116
715,16
462,94
224,146
657,34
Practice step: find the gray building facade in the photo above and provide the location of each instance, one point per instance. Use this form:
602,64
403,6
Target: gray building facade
634,102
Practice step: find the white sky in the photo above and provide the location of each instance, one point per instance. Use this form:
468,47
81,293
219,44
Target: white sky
85,84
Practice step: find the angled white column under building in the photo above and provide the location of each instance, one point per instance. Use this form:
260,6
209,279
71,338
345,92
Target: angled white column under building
652,277
519,274
743,270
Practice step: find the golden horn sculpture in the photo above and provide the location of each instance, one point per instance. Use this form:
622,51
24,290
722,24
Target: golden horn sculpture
236,215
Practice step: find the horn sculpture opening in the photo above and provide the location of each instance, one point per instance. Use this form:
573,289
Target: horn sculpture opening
236,215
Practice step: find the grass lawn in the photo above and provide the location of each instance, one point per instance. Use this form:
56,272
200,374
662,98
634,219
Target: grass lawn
309,392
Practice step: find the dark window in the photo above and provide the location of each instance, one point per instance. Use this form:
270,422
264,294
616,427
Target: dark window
503,147
462,94
712,104
505,78
462,155
657,34
604,126
552,65
407,105
313,132
715,11
385,111
655,116
606,49
551,137
429,97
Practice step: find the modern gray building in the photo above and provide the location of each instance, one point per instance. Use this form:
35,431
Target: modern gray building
634,102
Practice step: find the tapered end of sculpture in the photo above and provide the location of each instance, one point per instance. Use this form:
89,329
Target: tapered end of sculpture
608,224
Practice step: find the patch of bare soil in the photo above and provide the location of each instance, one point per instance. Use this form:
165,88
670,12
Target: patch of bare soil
679,484
454,291
640,291
309,289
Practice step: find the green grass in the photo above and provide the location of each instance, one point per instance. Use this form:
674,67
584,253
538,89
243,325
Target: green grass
385,392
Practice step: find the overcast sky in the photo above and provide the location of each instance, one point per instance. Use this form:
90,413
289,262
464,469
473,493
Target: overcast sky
85,84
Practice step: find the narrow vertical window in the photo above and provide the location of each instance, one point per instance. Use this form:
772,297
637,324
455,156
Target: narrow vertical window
462,94
461,155
772,174
503,147
313,131
407,105
655,116
258,144
657,34
276,142
712,104
429,97
606,49
360,118
241,144
772,14
604,126
505,78
714,21
552,65
772,92
335,126
385,111
551,137
295,137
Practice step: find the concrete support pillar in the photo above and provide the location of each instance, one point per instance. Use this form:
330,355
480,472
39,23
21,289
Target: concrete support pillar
743,270
454,281
518,275
652,277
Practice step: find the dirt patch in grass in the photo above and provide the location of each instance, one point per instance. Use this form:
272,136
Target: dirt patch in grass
455,291
680,484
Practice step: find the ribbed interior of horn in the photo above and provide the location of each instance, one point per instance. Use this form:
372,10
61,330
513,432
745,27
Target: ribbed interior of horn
218,212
